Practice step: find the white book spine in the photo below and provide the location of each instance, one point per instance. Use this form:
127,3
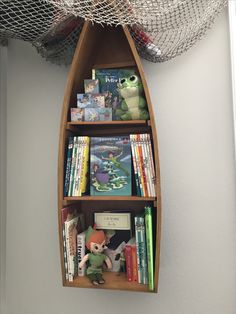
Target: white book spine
81,252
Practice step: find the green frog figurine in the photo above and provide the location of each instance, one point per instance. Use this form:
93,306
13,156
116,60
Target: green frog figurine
133,105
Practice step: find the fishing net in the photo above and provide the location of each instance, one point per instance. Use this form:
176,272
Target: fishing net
161,29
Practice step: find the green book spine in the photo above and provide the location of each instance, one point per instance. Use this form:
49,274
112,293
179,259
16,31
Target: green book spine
149,241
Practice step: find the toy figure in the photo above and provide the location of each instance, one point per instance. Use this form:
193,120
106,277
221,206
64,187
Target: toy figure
95,243
114,161
133,105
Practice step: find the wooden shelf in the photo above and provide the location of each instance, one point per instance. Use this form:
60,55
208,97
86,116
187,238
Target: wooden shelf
75,123
109,198
115,65
106,47
114,281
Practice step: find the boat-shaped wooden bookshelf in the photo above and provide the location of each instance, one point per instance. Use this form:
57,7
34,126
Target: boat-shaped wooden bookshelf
101,47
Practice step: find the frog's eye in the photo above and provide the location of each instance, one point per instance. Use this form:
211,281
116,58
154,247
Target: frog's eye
123,80
133,78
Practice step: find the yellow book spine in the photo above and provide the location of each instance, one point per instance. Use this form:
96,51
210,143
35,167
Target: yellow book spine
85,160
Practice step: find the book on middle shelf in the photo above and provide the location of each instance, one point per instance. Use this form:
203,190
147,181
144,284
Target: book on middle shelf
110,166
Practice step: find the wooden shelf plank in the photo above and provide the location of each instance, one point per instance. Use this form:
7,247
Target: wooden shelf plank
109,198
74,123
114,281
117,65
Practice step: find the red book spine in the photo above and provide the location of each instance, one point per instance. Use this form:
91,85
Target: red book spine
128,258
134,263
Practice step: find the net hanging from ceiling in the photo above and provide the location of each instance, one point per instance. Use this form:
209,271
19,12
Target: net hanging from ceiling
161,29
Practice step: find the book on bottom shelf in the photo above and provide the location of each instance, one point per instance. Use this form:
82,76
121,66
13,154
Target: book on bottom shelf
72,223
141,249
110,166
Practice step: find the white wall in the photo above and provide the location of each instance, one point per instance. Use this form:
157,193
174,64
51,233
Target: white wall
193,107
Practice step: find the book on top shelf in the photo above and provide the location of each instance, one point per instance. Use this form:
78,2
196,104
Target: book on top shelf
110,166
77,114
97,114
91,86
84,101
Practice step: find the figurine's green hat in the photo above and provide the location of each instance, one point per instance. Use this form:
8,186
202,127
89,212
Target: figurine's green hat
89,232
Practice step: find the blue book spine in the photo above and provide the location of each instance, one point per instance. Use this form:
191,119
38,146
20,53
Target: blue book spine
68,166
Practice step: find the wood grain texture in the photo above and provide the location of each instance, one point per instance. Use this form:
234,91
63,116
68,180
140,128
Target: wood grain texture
106,47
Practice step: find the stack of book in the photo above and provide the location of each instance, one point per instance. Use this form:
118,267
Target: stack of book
76,171
72,224
91,105
139,251
143,164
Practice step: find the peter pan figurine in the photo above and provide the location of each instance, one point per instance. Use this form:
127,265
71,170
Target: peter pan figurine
95,243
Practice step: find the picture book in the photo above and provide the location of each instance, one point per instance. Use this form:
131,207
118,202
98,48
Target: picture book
77,114
91,114
108,80
84,101
91,86
117,227
98,100
110,166
97,114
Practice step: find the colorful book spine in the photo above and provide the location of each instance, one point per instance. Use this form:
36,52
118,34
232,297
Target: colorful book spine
78,159
153,173
81,252
65,253
135,165
149,242
84,165
71,235
136,151
141,158
73,163
68,166
128,259
141,250
134,263
146,165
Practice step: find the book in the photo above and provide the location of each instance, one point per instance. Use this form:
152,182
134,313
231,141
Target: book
98,100
84,101
72,224
117,227
129,264
131,259
149,242
143,164
71,234
110,166
81,252
141,249
98,114
108,80
91,86
76,114
68,166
